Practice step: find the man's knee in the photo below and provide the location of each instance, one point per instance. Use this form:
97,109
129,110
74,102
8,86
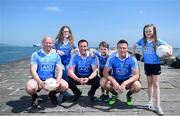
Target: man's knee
31,86
136,86
63,86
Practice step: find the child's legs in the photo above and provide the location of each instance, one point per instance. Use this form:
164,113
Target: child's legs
156,89
31,87
103,91
150,88
151,70
104,83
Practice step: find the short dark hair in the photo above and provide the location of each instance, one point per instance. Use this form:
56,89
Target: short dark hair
82,40
104,44
122,41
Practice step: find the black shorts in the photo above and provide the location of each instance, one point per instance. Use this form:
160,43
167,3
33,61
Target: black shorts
152,69
121,81
101,72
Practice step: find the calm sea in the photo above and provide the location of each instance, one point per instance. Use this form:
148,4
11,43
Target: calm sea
12,53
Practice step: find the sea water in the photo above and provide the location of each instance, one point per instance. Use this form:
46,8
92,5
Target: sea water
15,53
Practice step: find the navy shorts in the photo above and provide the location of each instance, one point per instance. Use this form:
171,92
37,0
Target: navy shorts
152,69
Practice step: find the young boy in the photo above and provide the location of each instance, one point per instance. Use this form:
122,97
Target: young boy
102,55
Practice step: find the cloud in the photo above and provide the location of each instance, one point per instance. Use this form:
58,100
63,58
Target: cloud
52,8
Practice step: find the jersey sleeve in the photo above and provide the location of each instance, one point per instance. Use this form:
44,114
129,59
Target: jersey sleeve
56,45
109,62
140,42
75,46
134,63
94,61
58,60
72,61
34,58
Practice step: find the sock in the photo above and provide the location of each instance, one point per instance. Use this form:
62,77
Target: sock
114,92
129,93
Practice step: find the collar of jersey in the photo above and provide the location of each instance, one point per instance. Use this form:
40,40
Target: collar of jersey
52,51
87,52
149,41
66,42
127,55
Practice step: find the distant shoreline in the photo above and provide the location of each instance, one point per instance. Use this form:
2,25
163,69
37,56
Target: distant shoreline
15,61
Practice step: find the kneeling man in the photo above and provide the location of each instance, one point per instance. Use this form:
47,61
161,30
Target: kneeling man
125,74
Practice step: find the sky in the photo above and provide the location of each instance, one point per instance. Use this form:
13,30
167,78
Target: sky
26,22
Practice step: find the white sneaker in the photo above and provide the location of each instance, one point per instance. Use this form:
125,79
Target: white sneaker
159,111
149,106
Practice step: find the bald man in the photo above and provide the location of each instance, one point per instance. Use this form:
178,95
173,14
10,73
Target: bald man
44,62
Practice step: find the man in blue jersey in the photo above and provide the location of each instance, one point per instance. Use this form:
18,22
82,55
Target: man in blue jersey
44,62
125,74
83,70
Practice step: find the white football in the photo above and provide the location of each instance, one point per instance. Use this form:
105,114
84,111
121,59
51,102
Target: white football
50,84
162,50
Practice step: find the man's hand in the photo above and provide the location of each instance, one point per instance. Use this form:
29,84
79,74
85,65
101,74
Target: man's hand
83,81
123,86
117,87
41,84
58,83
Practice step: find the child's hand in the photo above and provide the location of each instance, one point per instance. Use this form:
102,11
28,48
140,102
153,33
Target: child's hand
61,53
168,54
171,51
74,51
92,54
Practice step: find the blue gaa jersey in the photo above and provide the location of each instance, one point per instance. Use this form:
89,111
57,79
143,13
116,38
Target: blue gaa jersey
150,56
102,59
66,48
83,66
122,68
46,63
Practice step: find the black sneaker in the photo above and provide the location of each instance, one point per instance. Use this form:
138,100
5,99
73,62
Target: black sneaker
102,97
76,96
106,98
91,96
34,103
52,97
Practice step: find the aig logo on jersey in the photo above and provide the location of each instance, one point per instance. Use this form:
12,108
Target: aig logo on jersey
47,66
121,71
149,50
83,69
